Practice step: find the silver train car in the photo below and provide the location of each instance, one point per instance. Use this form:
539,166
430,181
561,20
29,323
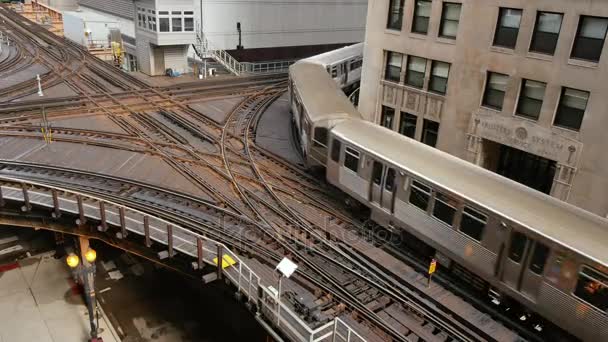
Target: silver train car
550,256
532,248
343,65
312,120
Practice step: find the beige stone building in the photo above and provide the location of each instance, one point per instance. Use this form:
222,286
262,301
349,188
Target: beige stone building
516,86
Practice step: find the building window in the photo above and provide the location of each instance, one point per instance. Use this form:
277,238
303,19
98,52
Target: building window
507,27
473,223
189,24
150,22
590,38
496,86
439,77
430,132
572,106
163,13
176,24
388,116
407,125
592,287
163,24
546,32
351,159
416,68
450,16
518,246
531,98
393,66
422,13
336,145
154,23
395,15
140,21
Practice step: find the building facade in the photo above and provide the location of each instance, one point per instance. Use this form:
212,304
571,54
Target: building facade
160,33
515,86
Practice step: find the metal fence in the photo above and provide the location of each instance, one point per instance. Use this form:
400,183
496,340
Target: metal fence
176,238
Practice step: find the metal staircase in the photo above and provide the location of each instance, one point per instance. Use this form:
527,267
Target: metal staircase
204,50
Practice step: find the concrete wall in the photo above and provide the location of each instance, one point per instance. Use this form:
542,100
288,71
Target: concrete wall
75,24
125,25
283,23
582,164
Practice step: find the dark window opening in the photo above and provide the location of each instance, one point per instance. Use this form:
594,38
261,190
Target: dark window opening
393,66
546,32
531,99
496,86
321,136
590,38
592,287
389,184
377,173
387,118
189,24
351,159
518,246
430,132
416,68
571,108
473,223
439,77
539,258
335,150
422,13
395,14
163,24
507,28
444,209
176,24
450,16
407,125
419,195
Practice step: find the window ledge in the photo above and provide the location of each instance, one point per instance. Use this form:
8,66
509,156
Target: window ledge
420,36
494,110
582,63
444,40
525,118
500,49
540,56
392,31
565,130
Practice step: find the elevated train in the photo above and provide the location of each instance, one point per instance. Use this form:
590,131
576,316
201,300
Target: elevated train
547,255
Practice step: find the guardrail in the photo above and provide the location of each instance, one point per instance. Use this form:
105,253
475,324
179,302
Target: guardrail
204,50
176,238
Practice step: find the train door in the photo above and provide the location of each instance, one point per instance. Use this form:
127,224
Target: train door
524,264
376,183
382,186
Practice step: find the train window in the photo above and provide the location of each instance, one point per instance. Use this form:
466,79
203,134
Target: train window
473,223
335,150
444,209
351,159
419,195
334,71
377,173
320,138
518,246
389,184
356,64
539,258
592,287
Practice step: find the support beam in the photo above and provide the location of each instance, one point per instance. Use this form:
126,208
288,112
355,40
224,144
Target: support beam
123,228
26,199
81,218
147,231
56,210
199,252
220,258
103,226
170,239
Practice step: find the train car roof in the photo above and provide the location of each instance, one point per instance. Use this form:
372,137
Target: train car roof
338,54
563,223
323,98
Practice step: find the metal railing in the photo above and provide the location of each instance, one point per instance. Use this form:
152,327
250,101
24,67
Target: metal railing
204,50
176,238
